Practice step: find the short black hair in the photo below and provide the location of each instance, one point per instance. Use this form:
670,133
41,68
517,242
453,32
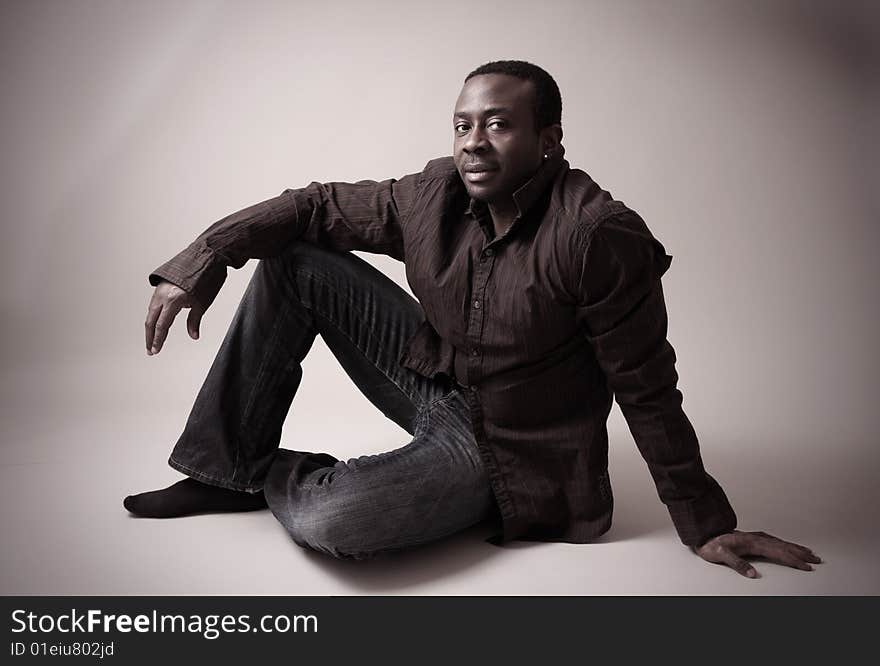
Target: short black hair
548,101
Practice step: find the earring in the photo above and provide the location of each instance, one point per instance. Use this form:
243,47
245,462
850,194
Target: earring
546,156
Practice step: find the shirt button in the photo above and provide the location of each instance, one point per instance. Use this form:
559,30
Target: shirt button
473,388
476,305
488,252
475,351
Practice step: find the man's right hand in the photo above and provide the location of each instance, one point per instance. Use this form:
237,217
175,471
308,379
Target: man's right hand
166,302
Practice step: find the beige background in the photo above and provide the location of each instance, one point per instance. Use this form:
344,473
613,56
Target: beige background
743,132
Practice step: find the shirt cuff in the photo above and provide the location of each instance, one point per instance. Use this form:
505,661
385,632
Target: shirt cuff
698,520
197,270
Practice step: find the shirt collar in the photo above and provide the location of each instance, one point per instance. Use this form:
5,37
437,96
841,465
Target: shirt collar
526,195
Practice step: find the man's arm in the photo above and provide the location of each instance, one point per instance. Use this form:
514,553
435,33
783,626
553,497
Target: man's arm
624,312
366,216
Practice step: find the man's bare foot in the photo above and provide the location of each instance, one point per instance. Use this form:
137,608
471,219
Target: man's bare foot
190,496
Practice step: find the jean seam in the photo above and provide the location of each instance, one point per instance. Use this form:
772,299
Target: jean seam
212,480
249,406
442,399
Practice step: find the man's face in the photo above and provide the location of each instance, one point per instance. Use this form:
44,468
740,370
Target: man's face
497,147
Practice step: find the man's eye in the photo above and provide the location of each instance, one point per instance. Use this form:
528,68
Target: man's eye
497,124
461,128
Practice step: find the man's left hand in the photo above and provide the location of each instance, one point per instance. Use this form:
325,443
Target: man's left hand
730,549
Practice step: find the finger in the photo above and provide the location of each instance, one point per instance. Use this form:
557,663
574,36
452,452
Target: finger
782,541
800,551
193,321
737,563
163,324
791,561
779,554
153,311
812,557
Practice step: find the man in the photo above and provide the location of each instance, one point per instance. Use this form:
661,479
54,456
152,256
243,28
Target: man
539,296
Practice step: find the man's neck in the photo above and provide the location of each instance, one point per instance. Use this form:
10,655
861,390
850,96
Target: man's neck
503,216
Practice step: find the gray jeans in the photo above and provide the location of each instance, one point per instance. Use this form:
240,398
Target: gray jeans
432,487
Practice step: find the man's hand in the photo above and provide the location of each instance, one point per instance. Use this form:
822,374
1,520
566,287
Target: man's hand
730,549
166,302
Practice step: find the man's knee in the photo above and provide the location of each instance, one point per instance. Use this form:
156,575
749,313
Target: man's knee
338,534
307,259
315,273
322,521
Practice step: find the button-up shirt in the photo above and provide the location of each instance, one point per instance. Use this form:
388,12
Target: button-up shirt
540,326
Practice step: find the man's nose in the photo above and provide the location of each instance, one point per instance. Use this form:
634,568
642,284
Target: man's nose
476,140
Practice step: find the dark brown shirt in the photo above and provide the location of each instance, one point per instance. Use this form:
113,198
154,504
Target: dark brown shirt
540,326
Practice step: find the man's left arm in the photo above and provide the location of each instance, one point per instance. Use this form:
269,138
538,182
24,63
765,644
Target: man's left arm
624,313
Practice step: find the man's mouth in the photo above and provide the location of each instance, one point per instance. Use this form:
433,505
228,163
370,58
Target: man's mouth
478,172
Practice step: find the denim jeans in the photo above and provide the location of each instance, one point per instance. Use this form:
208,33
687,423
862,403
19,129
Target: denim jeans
432,487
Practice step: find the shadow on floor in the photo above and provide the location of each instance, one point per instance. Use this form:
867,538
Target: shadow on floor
397,571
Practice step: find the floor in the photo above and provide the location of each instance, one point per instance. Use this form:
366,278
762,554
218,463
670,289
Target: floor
73,447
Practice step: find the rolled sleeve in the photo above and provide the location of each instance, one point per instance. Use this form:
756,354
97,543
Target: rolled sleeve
624,314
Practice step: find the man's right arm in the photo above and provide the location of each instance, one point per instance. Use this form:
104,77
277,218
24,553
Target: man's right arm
366,215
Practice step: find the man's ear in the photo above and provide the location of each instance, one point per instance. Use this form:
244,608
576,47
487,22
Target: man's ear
551,137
